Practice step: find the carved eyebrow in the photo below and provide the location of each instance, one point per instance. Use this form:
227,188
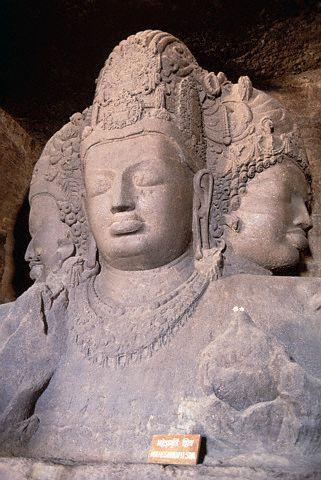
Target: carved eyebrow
132,168
142,164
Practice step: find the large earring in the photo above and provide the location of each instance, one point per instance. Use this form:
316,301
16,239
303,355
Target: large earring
66,249
203,190
208,260
91,260
92,253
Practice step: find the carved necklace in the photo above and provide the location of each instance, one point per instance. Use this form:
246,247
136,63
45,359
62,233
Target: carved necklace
115,335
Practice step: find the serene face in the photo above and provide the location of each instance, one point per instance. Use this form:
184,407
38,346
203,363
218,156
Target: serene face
45,229
273,218
139,201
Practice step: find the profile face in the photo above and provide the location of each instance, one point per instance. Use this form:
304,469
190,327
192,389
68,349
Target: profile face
45,229
139,201
273,217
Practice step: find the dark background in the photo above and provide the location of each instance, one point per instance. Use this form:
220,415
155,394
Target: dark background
53,50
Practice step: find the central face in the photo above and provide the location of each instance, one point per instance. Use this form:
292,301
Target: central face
273,218
139,201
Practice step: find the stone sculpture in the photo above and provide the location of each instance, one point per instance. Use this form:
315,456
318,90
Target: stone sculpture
56,254
261,135
143,330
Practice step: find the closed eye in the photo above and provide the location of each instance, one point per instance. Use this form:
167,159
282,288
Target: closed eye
99,186
147,179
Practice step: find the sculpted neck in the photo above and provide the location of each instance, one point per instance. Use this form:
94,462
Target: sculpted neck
142,286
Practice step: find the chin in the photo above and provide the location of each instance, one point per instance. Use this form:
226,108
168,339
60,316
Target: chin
272,256
125,252
37,272
288,257
124,245
140,253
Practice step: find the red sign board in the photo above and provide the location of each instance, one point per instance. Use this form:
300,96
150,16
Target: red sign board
175,449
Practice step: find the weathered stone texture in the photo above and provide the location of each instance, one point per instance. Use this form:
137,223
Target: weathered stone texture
170,153
18,155
24,469
155,308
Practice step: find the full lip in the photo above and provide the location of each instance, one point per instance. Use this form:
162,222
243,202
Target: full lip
34,263
124,225
298,238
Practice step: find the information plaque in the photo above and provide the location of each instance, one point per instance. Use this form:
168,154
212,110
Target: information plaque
175,449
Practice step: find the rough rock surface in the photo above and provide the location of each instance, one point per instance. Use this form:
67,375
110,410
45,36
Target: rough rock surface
19,152
27,469
61,46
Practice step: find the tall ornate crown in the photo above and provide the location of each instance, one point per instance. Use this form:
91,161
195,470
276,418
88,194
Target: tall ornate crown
247,132
148,84
245,126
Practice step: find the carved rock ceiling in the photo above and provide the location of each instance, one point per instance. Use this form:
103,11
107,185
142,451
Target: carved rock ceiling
57,48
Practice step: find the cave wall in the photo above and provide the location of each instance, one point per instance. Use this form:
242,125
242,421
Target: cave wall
19,152
53,51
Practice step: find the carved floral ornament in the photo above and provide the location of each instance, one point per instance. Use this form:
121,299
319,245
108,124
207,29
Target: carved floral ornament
58,173
150,83
261,134
117,343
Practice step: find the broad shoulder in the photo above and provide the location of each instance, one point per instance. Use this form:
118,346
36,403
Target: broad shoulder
5,309
288,308
12,314
245,287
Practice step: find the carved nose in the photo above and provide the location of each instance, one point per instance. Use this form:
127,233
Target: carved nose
30,252
121,197
302,218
